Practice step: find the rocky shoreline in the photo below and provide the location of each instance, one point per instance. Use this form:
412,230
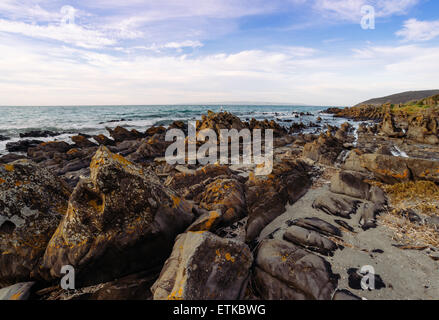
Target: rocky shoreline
135,227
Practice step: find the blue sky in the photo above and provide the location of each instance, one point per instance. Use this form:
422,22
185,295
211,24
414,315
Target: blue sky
57,52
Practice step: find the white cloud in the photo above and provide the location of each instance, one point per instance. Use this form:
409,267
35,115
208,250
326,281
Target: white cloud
42,74
350,10
68,33
415,30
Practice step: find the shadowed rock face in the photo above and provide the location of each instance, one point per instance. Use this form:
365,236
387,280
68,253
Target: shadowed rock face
286,271
119,221
225,195
324,150
32,202
204,266
267,195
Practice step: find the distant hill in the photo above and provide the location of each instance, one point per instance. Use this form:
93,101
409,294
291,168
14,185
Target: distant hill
403,97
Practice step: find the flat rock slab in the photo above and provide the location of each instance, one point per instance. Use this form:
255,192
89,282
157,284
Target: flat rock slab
310,240
286,271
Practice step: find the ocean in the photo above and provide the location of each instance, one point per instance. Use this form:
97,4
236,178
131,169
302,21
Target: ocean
71,120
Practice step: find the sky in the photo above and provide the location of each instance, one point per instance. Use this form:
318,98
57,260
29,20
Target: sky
314,52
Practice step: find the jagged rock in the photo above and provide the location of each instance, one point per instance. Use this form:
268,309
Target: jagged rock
207,221
82,142
32,202
120,134
119,221
204,266
336,205
423,129
225,195
103,140
22,145
285,271
324,150
155,130
150,148
182,181
18,291
127,147
388,128
46,150
267,196
310,240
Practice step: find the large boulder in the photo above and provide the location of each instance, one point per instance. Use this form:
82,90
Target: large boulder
267,196
32,202
324,150
204,266
121,220
391,169
225,195
285,271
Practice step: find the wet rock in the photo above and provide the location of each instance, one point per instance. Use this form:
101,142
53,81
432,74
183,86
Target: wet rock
119,221
225,195
310,240
82,142
120,134
336,205
22,145
103,140
285,271
155,130
10,157
267,196
47,150
32,202
19,291
150,148
39,134
4,138
126,148
324,150
204,266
